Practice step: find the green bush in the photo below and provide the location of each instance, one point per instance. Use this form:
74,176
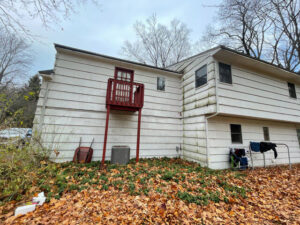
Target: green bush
18,166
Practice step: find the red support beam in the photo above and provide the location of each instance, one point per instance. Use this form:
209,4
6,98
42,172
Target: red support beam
138,136
105,135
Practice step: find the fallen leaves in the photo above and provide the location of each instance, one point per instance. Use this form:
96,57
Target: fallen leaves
273,197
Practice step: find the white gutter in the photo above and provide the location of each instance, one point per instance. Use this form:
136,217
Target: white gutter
213,115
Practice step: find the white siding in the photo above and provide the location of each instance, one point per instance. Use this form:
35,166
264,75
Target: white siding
75,108
258,95
196,103
252,130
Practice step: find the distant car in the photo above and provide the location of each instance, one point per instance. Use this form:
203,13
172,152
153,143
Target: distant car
23,134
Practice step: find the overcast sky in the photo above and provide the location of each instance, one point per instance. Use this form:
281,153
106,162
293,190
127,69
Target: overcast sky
103,29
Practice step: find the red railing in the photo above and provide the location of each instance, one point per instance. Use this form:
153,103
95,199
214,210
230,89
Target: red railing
124,93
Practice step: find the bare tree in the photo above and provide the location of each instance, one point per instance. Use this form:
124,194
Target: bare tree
157,44
264,29
285,17
12,12
242,25
14,57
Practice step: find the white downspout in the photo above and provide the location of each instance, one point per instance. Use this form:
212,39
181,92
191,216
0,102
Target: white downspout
213,115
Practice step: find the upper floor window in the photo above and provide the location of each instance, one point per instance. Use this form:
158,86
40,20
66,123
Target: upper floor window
124,74
236,133
292,90
201,76
225,73
161,83
266,133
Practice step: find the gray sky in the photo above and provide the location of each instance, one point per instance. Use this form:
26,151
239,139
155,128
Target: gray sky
103,29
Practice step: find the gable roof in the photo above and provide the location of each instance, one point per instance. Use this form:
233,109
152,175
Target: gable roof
58,46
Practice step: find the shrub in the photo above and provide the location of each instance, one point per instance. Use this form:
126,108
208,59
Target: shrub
18,165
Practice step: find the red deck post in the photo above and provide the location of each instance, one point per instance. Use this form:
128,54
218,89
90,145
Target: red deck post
138,136
105,135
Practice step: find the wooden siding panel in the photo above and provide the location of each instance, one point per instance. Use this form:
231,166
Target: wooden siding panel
258,95
196,103
252,130
76,108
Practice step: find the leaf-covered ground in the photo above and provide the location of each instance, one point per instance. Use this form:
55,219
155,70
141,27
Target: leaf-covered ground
171,191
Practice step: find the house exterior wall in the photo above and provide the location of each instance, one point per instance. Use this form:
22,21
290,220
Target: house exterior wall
195,119
196,103
219,140
258,95
75,107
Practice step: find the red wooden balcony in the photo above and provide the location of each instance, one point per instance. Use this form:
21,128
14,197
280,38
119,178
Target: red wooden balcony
124,95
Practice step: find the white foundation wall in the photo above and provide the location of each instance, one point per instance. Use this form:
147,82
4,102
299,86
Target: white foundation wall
75,107
219,140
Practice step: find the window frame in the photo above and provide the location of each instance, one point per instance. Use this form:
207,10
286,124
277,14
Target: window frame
236,133
204,66
164,82
219,65
266,133
120,69
292,93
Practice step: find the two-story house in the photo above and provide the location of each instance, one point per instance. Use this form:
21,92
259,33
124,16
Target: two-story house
196,109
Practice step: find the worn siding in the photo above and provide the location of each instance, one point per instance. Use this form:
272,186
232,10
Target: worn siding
75,107
252,130
196,103
258,95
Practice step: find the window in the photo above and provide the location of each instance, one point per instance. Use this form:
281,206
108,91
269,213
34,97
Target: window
236,133
124,74
298,134
225,73
266,133
292,90
201,76
161,83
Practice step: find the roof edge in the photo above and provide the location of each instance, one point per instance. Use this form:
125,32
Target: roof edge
196,55
113,58
256,59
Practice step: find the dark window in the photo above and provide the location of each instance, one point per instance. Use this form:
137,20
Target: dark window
266,133
225,73
292,90
236,133
124,74
161,83
201,76
298,134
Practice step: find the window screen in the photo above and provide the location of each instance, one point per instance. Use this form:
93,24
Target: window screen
298,133
236,133
292,90
201,76
266,133
161,83
225,73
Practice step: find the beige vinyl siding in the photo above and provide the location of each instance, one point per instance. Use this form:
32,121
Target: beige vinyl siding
219,136
75,108
258,95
